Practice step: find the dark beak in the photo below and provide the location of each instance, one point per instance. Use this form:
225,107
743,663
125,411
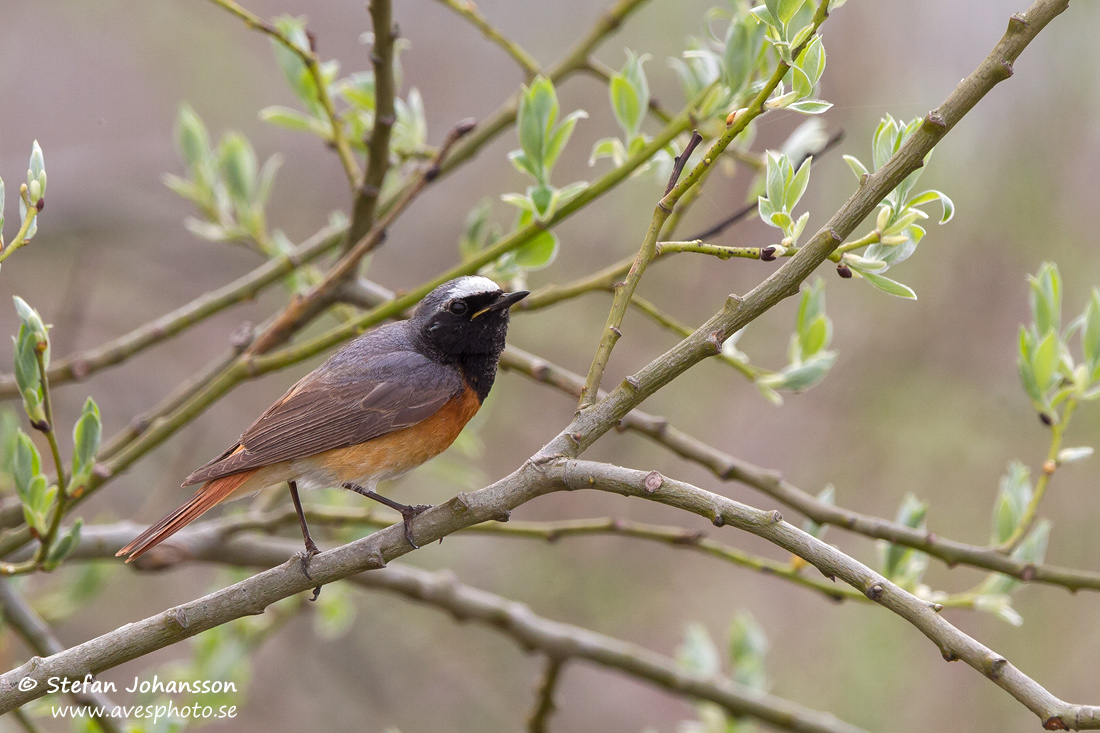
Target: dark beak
506,300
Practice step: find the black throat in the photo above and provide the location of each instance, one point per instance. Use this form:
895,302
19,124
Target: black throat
479,371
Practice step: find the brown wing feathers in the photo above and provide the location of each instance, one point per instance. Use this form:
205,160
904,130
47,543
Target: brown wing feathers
211,494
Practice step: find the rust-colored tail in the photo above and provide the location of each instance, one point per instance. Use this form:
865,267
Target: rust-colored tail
209,495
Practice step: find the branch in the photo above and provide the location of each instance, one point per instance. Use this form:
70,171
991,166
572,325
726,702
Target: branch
378,147
441,590
539,719
36,633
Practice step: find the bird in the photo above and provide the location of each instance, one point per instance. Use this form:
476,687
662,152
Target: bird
383,404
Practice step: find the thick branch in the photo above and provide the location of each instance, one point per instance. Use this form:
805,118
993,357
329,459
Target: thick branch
556,640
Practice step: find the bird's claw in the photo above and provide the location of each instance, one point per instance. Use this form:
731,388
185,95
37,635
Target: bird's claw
407,514
304,556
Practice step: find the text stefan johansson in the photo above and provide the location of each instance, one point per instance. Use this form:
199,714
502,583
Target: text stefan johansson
156,685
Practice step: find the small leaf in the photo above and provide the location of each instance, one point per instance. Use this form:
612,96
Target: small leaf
292,119
858,168
237,163
892,287
1073,455
810,106
1046,298
929,196
192,140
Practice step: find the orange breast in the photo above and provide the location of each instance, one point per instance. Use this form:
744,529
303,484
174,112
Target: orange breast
393,454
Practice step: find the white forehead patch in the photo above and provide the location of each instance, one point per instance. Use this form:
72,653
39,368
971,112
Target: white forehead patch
471,285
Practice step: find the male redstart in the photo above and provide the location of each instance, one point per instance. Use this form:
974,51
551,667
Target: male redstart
385,403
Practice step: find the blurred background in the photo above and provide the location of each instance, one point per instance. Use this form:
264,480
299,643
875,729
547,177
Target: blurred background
924,398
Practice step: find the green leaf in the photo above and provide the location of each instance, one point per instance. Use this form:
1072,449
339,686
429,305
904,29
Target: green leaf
858,168
26,464
237,163
192,140
810,106
697,652
1090,337
739,54
826,496
292,119
897,559
797,186
929,196
1012,500
64,546
538,253
1044,360
801,83
812,59
27,376
1046,298
86,435
809,373
775,182
608,147
892,287
560,137
299,78
787,10
748,649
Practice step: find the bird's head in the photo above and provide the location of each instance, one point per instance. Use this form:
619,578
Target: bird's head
465,317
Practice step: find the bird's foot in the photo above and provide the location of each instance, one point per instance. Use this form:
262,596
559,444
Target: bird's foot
304,557
407,514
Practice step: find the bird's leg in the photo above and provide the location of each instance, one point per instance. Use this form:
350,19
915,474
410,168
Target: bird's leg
311,546
407,511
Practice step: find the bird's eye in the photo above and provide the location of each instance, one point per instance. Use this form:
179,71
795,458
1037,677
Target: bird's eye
458,307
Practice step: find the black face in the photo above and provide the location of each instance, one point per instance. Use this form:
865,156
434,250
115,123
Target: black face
464,322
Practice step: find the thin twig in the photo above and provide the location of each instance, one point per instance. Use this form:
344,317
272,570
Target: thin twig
539,719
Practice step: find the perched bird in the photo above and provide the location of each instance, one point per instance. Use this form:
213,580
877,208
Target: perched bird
385,403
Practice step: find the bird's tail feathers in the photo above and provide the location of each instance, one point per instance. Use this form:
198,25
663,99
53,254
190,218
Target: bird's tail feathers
209,495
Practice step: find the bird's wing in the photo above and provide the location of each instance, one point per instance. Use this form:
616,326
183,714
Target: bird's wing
335,409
